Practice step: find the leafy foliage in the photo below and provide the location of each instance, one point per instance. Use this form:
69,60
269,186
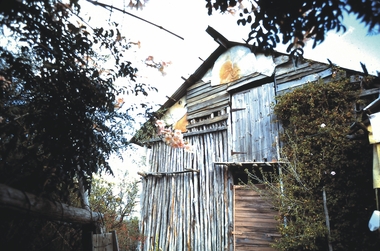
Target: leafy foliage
60,117
293,21
316,119
149,129
61,114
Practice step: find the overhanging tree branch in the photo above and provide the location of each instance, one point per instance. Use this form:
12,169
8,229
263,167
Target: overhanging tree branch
110,8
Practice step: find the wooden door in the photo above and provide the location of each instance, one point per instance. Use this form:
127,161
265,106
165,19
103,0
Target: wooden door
254,222
253,129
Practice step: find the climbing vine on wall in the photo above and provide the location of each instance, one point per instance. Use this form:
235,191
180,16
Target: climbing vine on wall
316,119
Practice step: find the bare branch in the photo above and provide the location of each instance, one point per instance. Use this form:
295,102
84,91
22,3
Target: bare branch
111,8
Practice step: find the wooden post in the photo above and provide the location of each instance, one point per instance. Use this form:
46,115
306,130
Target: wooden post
280,176
377,199
115,242
27,203
83,194
234,216
327,218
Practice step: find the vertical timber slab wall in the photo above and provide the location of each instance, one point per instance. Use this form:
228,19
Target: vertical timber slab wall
191,211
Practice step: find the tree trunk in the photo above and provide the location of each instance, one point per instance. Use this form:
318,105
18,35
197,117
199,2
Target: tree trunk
27,203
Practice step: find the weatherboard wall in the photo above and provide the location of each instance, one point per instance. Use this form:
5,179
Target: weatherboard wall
206,105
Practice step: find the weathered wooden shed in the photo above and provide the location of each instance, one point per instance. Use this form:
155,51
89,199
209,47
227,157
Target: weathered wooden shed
225,112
